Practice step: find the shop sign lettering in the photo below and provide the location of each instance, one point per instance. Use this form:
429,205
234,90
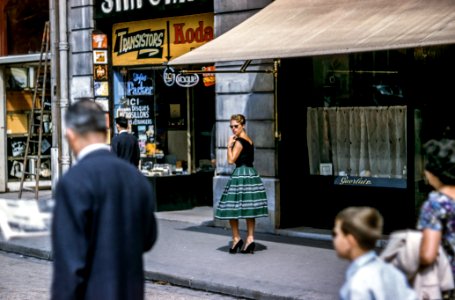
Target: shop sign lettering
188,80
169,76
137,113
140,112
135,98
108,6
370,181
200,34
154,41
137,109
136,86
355,181
147,43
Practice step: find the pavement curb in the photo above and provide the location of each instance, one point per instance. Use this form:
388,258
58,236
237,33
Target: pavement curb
306,235
158,276
26,251
187,282
212,287
202,281
380,244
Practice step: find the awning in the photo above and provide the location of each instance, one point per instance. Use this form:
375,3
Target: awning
16,59
297,28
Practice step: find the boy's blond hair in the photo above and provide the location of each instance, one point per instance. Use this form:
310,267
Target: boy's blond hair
363,223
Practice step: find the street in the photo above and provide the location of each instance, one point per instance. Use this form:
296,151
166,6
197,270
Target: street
25,278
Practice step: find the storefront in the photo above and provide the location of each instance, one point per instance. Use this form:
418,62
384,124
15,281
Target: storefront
171,114
17,82
21,35
359,89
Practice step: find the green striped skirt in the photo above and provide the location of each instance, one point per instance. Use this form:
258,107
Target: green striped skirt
243,197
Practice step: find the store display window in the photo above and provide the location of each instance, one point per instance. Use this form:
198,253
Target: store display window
20,84
357,128
157,116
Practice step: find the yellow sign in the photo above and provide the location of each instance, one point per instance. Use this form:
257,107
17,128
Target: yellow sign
158,40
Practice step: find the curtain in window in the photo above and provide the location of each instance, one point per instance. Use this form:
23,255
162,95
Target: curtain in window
358,141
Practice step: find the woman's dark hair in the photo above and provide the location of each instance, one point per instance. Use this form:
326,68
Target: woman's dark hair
440,159
86,116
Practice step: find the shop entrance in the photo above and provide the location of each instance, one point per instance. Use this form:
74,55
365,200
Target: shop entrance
173,124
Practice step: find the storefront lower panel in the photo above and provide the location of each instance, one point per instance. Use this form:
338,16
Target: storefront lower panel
179,192
323,198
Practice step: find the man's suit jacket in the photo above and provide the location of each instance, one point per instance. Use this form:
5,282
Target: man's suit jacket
126,146
103,222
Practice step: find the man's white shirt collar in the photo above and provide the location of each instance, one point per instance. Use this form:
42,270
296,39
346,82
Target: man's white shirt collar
90,148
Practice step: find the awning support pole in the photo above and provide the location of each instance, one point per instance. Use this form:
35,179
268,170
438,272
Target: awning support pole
224,71
245,65
276,63
243,69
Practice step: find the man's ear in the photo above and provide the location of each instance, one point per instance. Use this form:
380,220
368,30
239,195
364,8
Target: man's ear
351,239
71,136
70,133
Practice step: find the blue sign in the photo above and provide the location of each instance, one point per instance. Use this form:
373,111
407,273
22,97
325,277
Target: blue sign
371,181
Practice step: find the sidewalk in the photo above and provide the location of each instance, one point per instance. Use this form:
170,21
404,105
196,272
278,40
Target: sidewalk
191,252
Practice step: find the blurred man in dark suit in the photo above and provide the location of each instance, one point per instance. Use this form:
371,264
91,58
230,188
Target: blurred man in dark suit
103,219
124,144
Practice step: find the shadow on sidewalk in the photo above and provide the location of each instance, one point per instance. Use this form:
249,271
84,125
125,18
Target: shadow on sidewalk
269,237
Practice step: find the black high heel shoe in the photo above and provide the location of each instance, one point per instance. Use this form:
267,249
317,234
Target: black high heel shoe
237,246
249,248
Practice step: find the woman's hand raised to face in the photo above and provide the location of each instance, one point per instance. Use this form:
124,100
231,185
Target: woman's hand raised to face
231,141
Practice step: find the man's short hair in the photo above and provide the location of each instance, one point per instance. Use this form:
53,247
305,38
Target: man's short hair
86,116
122,122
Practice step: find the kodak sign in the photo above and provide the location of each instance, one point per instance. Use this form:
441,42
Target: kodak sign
158,40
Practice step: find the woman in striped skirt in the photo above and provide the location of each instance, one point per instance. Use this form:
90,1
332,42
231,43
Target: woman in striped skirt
244,196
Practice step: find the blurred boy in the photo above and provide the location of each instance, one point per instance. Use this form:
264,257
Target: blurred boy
368,277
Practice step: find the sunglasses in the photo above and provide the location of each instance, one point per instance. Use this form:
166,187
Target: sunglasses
234,126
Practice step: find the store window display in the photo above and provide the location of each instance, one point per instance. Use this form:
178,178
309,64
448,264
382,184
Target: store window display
357,123
374,149
170,121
